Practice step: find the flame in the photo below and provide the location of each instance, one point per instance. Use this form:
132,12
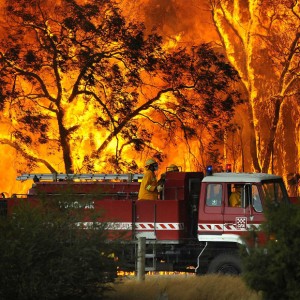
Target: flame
87,138
121,273
181,24
172,42
260,43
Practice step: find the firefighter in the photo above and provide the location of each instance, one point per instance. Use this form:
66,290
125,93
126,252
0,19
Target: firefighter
148,188
235,197
170,168
162,180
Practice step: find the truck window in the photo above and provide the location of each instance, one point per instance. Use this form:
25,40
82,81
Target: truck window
256,201
274,191
214,194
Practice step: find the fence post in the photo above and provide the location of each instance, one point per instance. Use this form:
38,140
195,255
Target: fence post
141,259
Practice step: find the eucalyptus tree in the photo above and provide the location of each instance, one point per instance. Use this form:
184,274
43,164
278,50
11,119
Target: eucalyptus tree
261,39
82,87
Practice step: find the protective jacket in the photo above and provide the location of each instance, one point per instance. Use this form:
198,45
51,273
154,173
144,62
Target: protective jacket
148,187
235,199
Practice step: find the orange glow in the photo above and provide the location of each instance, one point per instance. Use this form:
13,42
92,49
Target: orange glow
160,273
243,28
261,43
172,42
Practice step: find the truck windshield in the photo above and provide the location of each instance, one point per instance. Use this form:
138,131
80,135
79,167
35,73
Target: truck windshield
274,191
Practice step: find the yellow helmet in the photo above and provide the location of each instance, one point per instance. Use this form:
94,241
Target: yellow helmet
150,161
172,168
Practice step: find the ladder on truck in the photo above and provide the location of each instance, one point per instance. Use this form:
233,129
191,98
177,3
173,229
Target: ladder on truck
130,177
150,257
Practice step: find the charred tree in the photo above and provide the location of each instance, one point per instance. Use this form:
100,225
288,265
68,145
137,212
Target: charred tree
80,86
261,39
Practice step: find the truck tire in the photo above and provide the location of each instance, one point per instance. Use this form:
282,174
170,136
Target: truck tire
225,263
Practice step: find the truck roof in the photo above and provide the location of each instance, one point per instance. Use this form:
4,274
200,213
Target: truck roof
239,177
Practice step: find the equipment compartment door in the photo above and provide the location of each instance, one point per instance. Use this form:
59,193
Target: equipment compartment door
171,220
145,218
117,214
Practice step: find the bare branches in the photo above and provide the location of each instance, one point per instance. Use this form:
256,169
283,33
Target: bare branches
267,60
102,86
294,54
27,155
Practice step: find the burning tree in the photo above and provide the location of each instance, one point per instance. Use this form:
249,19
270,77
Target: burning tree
261,39
80,86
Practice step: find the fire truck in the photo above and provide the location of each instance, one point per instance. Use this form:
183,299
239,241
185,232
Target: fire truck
191,227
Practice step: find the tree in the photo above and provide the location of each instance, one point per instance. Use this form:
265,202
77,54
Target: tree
261,39
274,268
80,86
47,254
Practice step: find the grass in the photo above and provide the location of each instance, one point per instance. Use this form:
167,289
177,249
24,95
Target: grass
183,287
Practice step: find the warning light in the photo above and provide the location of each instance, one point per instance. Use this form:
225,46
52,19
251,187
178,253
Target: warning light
209,170
228,168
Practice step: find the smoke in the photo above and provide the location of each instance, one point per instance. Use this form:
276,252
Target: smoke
189,18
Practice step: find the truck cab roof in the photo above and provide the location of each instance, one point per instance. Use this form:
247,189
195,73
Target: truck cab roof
240,177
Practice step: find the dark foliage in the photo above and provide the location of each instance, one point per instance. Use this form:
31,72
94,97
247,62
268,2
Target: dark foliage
274,268
46,254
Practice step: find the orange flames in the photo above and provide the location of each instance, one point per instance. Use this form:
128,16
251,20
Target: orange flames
185,23
87,139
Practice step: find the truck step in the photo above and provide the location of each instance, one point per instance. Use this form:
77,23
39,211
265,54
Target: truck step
150,255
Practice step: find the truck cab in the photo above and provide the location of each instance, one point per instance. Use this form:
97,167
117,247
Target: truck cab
222,226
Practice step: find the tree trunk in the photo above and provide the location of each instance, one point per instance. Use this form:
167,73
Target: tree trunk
272,136
65,144
253,146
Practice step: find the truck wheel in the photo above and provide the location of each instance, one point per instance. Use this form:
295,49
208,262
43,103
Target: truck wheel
225,263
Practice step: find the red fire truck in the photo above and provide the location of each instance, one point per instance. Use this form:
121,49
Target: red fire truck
191,227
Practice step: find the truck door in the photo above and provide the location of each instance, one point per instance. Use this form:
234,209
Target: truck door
210,217
236,210
239,218
256,213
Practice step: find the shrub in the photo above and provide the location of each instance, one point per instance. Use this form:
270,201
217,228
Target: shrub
274,268
46,253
